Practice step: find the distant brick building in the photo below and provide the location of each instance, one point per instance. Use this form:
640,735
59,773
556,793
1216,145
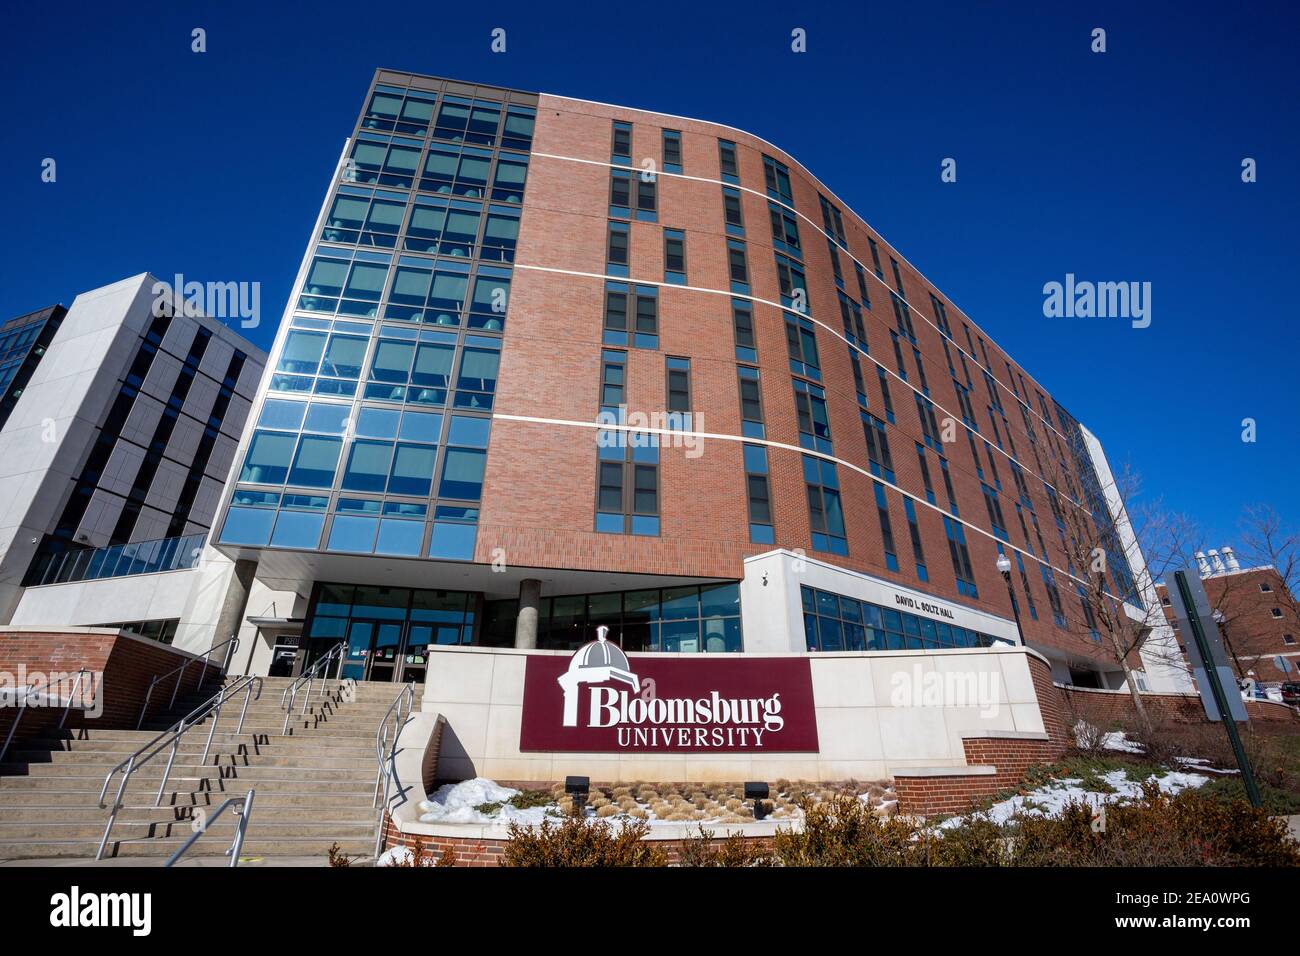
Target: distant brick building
1257,613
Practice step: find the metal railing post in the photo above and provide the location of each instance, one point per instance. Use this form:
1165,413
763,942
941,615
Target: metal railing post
241,828
13,728
242,808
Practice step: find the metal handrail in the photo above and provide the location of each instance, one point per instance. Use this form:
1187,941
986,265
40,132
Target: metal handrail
243,809
27,692
399,710
179,671
317,671
172,735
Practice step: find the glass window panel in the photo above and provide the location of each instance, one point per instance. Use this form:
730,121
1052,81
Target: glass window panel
377,422
719,600
399,537
298,529
469,431
314,465
681,603
328,418
462,474
247,526
302,352
267,461
412,470
280,413
421,426
392,361
368,466
349,533
452,541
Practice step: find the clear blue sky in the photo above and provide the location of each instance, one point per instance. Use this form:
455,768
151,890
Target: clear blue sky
1119,166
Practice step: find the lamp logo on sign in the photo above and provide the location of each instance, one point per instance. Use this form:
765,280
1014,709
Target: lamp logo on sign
596,701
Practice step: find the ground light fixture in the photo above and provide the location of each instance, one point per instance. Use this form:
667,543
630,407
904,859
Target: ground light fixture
578,788
757,791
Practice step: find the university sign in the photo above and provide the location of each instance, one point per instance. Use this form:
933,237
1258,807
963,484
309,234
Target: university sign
599,701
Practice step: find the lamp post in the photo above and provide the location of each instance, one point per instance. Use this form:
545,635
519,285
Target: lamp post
1004,569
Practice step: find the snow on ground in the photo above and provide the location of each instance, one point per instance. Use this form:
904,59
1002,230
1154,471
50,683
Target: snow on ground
1051,799
1116,740
457,803
1201,764
396,856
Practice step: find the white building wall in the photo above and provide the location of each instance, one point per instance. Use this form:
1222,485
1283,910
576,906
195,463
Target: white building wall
1165,670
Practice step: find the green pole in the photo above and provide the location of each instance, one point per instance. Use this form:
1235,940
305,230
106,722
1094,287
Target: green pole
1216,687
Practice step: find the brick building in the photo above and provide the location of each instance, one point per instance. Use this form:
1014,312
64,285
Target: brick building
550,364
1257,614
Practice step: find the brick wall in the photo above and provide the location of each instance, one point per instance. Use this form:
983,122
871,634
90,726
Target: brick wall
123,667
1104,708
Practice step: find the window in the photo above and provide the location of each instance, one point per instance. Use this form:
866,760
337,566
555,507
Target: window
810,409
994,507
925,473
345,282
914,531
1024,583
646,198
385,160
620,194
672,143
832,221
929,426
621,144
833,622
862,284
365,217
941,317
675,256
898,277
886,529
742,320
395,109
883,378
881,463
737,266
794,289
751,402
777,179
727,162
618,249
1288,638
875,258
825,514
732,213
961,565
627,478
898,356
785,229
679,385
1276,612
757,492
643,301
1265,587
613,378
801,344
851,316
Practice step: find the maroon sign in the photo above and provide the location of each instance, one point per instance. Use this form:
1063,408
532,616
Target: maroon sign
598,700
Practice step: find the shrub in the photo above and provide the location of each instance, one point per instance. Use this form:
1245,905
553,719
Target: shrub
843,831
1276,801
337,857
731,851
575,842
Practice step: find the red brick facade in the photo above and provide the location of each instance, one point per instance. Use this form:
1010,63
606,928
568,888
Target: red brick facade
540,482
127,665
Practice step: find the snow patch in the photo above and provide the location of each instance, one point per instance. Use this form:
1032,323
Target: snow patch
1051,799
458,803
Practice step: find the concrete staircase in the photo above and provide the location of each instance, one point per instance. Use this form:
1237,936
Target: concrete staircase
315,784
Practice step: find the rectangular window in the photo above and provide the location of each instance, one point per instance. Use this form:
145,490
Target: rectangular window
883,377
737,266
961,565
832,221
836,269
621,145
613,380
940,315
801,344
1024,583
898,278
646,330
672,141
925,473
616,330
742,320
825,514
947,485
757,491
886,529
920,371
929,427
994,507
627,484
875,258
647,201
814,423
914,531
903,317
777,179
675,256
617,249
898,355
727,162
620,194
751,402
732,213
880,461
679,384
794,288
785,229
862,284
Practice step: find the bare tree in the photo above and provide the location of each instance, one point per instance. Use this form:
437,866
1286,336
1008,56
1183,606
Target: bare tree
1115,548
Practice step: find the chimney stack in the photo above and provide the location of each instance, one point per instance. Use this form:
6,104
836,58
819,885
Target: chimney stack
1217,562
1231,559
1202,566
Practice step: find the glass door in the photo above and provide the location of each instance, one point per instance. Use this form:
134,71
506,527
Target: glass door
415,655
373,650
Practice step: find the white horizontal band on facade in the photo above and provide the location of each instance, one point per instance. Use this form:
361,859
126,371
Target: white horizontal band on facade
868,271
603,426
880,365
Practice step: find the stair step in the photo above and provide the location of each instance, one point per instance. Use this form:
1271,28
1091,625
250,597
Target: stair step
268,795
164,847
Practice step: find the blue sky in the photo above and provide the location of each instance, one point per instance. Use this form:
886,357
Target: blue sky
1122,166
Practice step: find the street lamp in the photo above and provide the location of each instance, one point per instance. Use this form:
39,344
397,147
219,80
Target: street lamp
1004,569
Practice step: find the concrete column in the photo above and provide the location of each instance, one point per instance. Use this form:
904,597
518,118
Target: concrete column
530,600
231,616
